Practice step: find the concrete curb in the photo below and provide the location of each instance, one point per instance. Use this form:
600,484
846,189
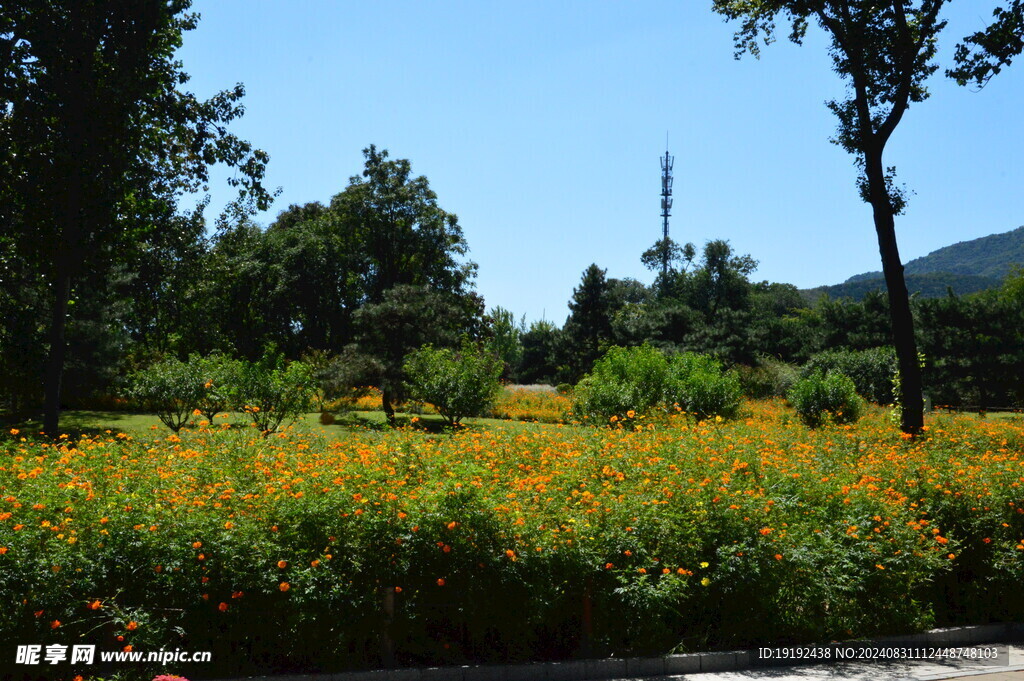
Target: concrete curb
609,669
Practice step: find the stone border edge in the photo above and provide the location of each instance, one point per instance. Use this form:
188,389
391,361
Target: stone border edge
643,667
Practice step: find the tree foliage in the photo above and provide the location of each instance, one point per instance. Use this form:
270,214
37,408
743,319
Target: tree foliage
458,383
100,140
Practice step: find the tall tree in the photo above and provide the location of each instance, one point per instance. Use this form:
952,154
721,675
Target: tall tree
589,325
102,138
884,51
410,250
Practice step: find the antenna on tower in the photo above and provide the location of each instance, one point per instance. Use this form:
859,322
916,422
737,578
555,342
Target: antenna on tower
666,203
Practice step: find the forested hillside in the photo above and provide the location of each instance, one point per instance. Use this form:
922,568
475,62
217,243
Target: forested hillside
966,267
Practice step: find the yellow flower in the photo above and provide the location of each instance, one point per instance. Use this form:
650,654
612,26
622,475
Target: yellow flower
704,564
705,581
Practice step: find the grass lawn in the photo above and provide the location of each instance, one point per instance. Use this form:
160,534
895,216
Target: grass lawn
89,422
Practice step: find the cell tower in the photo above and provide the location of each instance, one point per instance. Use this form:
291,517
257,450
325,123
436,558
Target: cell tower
666,203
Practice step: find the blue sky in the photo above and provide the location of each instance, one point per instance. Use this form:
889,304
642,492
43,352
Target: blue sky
540,124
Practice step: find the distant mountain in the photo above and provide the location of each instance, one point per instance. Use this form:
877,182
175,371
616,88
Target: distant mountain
966,267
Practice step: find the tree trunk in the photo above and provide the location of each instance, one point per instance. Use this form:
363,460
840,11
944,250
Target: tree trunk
386,399
55,361
902,319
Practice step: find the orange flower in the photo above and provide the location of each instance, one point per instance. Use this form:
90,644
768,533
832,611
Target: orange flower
128,648
284,586
54,624
95,605
314,563
608,566
223,607
452,524
398,589
229,525
197,544
440,581
132,626
765,531
778,556
282,564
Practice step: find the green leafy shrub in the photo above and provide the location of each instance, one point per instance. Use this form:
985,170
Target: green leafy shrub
870,370
698,385
626,383
826,397
458,383
220,376
273,392
768,378
171,389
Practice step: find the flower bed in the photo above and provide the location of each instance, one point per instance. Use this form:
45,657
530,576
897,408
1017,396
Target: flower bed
292,553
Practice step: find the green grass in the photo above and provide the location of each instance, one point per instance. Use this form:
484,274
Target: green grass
89,422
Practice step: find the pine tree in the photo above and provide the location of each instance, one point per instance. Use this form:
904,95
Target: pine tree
588,326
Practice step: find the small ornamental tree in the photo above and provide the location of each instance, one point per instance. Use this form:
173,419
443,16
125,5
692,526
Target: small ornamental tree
171,389
220,375
272,392
458,383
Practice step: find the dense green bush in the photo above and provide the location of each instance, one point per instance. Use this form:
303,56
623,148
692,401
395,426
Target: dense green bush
626,383
826,397
698,385
768,378
171,389
458,383
271,391
870,370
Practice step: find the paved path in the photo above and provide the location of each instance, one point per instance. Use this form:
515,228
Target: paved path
889,671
